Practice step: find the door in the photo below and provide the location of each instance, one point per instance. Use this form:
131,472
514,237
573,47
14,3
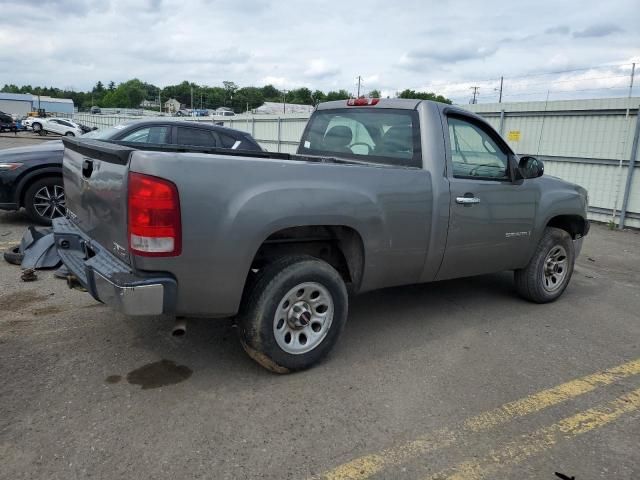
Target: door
491,213
53,125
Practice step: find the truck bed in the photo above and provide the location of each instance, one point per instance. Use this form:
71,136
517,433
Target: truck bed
232,202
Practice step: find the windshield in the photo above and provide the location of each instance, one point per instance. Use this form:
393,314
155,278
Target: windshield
389,136
105,133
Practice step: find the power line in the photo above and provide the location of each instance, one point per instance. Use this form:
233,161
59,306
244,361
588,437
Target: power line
557,72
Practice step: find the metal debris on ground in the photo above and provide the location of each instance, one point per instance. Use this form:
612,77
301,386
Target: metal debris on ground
37,250
29,275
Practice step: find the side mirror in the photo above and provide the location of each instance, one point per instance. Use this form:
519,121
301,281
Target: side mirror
530,167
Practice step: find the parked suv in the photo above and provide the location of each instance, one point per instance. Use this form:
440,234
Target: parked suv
7,123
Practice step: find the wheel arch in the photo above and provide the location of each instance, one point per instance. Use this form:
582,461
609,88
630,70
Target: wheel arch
341,246
33,176
574,225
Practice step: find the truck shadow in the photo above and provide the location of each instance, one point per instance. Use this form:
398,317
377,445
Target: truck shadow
417,314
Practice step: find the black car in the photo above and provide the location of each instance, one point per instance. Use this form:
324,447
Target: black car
31,177
7,123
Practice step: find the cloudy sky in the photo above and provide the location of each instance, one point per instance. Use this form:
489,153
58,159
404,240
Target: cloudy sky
443,46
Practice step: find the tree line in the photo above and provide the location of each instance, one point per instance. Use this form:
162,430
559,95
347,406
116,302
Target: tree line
132,93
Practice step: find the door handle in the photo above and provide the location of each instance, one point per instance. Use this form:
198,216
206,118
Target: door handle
87,168
467,200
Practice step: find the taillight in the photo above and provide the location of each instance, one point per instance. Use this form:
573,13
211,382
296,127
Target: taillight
154,216
360,102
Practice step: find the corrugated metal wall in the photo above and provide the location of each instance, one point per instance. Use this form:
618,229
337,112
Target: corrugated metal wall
587,142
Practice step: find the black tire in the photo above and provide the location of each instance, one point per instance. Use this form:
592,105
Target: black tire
69,134
36,127
263,297
531,281
13,255
53,184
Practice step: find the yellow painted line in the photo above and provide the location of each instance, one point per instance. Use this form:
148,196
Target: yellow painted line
369,465
543,439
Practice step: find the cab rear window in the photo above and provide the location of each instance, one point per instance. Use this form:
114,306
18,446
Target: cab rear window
387,136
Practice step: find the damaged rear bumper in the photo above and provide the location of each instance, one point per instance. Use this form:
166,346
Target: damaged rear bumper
108,279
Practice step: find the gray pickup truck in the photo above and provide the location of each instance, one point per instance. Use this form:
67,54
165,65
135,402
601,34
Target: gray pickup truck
381,193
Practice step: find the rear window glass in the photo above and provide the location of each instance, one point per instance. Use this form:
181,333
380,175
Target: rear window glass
388,136
196,137
227,140
155,135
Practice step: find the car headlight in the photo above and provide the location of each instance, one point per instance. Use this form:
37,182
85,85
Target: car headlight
10,166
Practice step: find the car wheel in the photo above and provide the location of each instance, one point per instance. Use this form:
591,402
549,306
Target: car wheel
69,134
293,313
36,127
13,255
549,271
44,200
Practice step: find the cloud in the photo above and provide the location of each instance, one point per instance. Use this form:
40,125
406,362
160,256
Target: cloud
278,82
319,68
421,58
598,30
446,46
558,30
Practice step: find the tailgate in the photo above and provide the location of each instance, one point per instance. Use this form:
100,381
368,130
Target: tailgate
95,182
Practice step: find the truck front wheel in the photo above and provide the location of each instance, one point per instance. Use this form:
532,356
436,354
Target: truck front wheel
293,313
548,273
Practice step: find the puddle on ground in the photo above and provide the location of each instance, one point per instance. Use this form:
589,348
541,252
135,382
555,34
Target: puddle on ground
49,310
113,379
158,374
16,301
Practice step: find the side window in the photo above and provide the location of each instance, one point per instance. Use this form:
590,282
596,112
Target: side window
155,135
474,153
228,141
196,137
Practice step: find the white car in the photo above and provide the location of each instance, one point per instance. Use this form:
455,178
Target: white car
61,126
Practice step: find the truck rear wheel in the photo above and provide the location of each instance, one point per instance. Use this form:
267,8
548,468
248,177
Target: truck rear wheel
549,271
293,313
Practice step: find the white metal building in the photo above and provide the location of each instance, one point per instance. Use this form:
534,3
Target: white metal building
15,103
21,104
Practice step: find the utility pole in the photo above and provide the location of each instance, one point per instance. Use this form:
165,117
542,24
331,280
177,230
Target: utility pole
160,99
474,100
633,72
284,101
359,83
500,97
191,99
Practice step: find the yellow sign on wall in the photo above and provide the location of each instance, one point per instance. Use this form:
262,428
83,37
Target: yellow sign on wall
514,135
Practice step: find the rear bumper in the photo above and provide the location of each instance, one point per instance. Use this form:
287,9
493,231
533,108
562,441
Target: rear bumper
108,279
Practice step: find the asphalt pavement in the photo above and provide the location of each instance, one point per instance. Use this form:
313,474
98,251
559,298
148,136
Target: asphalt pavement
459,379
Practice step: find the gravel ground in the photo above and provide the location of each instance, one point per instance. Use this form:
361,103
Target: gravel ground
86,392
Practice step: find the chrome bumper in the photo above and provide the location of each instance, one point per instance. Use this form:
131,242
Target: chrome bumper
147,299
108,279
